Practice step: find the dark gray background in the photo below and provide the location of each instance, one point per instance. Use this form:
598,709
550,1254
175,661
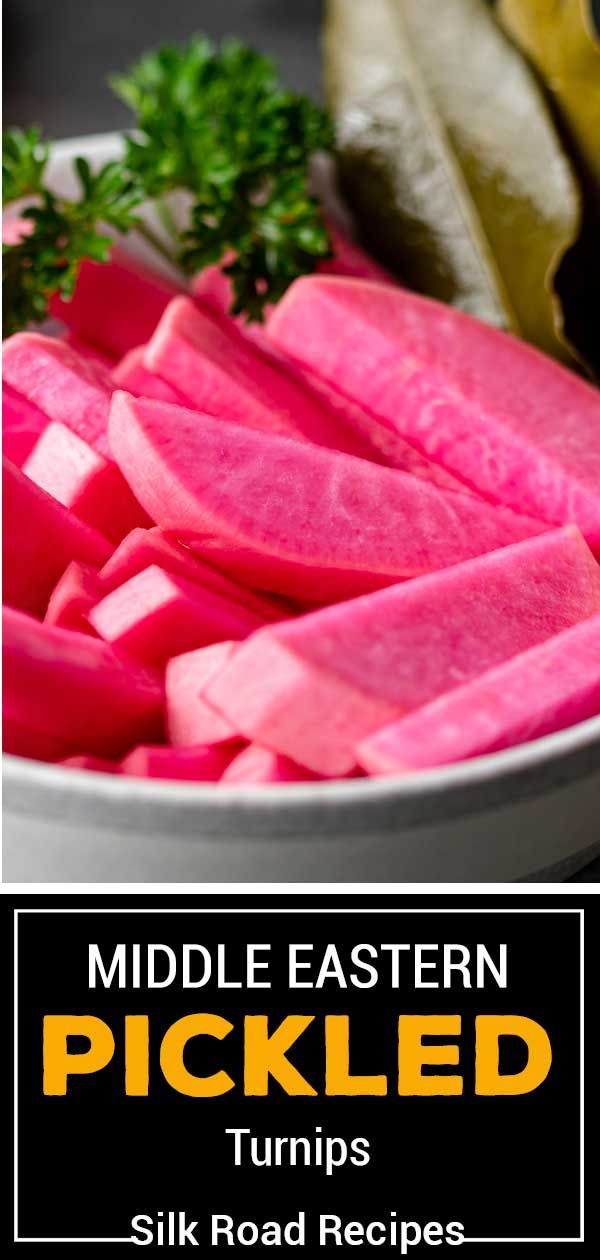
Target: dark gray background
58,54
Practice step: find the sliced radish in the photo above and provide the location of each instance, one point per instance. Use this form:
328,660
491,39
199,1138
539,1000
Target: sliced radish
258,765
116,305
545,689
74,595
22,423
84,481
509,421
374,440
156,615
88,350
40,538
131,374
199,763
190,717
314,687
63,384
76,691
144,547
217,370
292,517
388,448
22,740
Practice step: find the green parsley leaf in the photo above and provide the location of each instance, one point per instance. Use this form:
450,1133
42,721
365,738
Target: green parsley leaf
47,259
214,123
24,158
219,125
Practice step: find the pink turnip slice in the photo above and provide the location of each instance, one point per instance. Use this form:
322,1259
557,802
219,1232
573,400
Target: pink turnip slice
510,422
156,615
259,765
313,688
208,360
88,351
116,305
131,374
377,441
21,740
22,423
75,691
200,764
549,687
190,717
291,517
73,597
84,481
65,385
40,538
144,547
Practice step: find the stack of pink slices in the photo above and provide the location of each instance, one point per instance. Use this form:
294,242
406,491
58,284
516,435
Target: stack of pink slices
361,539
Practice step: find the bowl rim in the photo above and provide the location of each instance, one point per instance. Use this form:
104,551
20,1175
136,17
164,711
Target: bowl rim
547,751
476,772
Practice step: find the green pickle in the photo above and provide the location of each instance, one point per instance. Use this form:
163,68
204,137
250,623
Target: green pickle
450,160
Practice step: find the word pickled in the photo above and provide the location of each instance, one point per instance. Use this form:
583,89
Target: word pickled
265,1055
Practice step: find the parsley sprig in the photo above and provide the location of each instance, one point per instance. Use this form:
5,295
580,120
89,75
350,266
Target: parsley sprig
24,160
216,124
61,232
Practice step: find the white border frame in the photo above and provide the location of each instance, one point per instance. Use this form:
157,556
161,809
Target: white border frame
294,910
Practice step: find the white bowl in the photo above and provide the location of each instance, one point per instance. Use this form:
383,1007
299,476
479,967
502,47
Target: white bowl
530,812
